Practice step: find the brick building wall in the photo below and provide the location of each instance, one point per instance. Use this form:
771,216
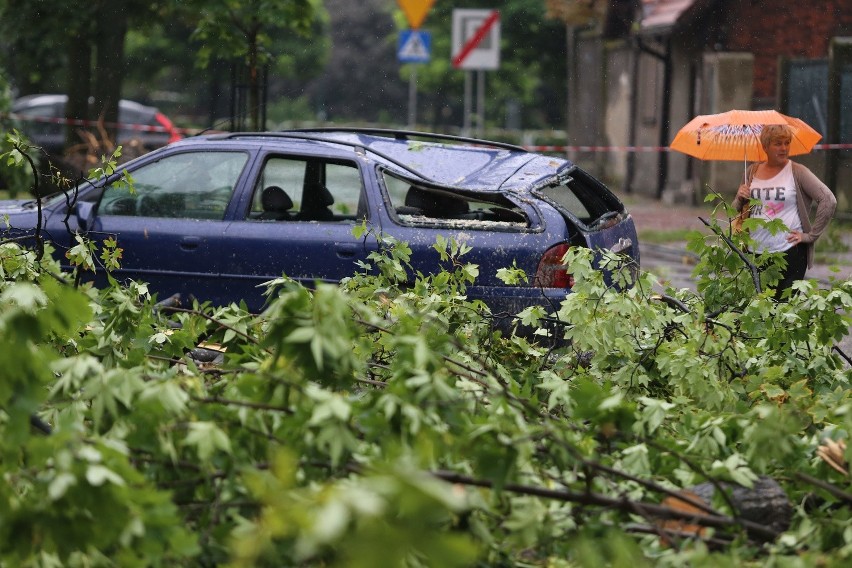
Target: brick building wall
796,29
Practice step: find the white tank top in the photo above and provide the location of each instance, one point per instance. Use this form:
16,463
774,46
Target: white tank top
778,197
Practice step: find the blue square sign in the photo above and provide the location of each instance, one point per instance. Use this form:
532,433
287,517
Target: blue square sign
414,46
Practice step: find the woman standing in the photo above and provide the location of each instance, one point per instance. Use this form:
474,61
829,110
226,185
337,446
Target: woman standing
787,191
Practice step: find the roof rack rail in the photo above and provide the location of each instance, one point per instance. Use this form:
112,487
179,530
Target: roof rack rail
409,134
304,135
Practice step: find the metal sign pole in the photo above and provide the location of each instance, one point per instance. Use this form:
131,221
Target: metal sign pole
412,97
468,87
480,103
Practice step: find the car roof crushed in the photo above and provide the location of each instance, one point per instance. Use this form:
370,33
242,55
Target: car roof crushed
444,161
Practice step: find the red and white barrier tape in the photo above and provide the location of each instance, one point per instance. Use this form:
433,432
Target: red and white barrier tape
646,148
597,148
91,123
191,131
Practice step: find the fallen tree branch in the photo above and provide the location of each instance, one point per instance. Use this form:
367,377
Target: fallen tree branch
596,499
755,273
831,488
842,354
717,541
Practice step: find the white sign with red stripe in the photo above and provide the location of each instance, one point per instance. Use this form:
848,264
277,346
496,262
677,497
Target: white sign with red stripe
476,39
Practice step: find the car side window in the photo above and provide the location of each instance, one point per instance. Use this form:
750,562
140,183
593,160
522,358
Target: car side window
189,185
415,204
299,189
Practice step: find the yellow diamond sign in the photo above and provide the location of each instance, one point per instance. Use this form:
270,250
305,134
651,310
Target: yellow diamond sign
415,11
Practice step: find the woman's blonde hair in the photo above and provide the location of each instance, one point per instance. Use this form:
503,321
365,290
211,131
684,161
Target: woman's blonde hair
772,132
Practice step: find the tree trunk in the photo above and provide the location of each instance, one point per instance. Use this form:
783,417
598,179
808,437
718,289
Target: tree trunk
254,84
79,81
112,29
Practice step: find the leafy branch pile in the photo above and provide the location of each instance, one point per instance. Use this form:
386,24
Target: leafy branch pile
377,423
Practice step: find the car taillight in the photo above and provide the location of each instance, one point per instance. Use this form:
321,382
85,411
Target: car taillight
551,273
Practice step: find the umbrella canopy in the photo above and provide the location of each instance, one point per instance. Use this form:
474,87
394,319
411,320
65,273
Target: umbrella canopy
735,135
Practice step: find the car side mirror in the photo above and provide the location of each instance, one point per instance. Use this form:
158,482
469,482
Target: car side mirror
84,211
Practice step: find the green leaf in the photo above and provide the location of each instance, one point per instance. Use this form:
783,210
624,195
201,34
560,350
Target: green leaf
97,475
207,439
60,485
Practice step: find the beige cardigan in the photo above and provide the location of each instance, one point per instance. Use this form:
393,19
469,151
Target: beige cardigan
809,189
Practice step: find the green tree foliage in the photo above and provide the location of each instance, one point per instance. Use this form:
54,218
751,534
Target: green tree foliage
243,30
380,422
13,179
33,60
62,47
74,47
362,59
79,47
163,56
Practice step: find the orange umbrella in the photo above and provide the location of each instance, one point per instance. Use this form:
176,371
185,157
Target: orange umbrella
735,135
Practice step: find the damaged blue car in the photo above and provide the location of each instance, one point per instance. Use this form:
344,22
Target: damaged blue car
215,216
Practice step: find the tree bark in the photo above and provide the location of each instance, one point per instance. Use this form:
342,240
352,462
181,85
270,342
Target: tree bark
79,82
109,68
254,84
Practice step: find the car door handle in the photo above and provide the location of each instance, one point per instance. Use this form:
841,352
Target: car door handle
346,250
190,243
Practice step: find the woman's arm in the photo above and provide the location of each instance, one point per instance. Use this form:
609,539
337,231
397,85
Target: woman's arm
813,187
744,191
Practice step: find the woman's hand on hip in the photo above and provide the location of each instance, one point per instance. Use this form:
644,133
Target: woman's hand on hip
794,237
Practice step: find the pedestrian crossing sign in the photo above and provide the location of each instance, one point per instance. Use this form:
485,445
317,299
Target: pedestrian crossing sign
414,46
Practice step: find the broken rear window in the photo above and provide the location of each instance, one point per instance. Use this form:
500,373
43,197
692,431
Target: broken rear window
584,197
415,204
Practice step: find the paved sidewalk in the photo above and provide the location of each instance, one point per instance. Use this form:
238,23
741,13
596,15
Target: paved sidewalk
651,214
